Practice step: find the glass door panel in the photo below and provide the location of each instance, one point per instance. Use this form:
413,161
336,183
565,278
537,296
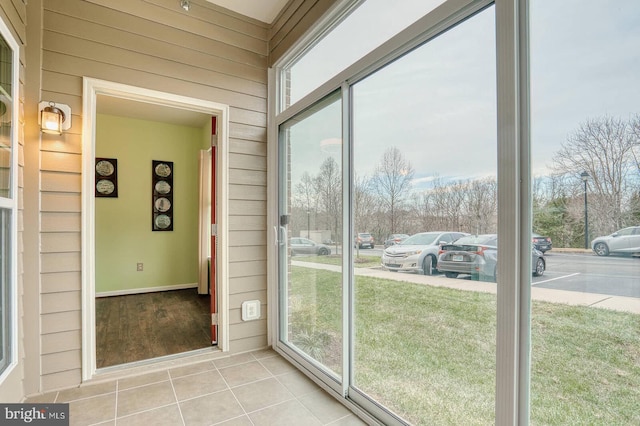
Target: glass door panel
585,133
310,235
425,161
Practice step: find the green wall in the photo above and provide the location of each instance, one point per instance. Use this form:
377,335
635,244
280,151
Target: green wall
123,225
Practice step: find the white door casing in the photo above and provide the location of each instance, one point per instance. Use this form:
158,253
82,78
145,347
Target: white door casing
91,89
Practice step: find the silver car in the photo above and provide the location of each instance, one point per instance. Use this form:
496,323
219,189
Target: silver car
301,245
477,255
418,253
624,241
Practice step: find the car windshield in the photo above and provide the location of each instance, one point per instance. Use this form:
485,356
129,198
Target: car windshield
421,239
476,239
364,235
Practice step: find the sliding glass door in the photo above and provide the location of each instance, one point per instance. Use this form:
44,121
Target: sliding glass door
310,236
424,155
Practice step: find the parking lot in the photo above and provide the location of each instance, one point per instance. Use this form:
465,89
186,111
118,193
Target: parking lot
574,278
610,275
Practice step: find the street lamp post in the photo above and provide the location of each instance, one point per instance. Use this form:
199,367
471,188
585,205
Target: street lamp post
308,224
585,178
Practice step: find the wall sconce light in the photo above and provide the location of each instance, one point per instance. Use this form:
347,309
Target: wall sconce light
185,4
53,117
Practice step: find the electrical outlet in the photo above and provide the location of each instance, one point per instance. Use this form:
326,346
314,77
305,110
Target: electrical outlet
250,310
139,267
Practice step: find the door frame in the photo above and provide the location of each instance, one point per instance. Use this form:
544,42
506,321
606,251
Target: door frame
91,88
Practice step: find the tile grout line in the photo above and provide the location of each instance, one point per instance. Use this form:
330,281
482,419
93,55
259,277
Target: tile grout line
115,413
175,395
235,397
296,398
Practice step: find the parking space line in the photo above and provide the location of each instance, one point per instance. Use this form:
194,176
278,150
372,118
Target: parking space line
557,278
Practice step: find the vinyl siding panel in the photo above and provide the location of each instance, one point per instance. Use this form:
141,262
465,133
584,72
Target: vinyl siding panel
60,222
209,54
293,23
247,223
58,342
61,282
244,254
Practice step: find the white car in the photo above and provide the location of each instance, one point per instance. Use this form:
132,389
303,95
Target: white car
418,253
624,241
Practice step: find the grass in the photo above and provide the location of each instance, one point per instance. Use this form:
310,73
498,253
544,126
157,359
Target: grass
335,259
428,353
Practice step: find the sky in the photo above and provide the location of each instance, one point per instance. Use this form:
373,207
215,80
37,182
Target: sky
438,103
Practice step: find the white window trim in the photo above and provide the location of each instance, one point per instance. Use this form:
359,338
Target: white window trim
514,157
12,203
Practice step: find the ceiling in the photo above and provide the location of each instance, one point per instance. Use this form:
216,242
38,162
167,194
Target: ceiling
262,10
151,112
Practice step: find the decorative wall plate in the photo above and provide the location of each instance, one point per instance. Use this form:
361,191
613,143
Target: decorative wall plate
105,187
105,168
163,170
163,187
163,221
162,204
106,177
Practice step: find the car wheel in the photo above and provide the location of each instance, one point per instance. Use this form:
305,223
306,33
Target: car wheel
427,265
539,268
451,274
323,252
601,249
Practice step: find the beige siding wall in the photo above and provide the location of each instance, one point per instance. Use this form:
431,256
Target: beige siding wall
207,53
292,23
13,14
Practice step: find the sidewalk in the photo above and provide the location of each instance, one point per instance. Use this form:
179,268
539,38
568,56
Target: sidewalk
616,303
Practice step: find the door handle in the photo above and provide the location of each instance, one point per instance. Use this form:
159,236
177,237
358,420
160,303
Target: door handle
283,235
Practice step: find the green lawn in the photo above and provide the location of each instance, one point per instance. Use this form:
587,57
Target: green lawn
429,353
361,261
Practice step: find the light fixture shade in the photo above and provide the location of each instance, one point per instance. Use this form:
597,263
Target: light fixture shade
54,118
51,120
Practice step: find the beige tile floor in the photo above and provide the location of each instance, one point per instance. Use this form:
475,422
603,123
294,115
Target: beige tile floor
258,388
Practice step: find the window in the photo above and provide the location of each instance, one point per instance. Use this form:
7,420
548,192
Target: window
427,353
310,234
8,194
312,68
564,124
585,122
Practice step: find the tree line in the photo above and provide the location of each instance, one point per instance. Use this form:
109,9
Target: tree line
387,202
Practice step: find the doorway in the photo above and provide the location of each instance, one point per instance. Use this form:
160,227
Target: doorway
113,99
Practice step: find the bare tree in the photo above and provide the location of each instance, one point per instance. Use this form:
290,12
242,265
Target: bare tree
306,200
392,181
328,186
604,147
482,205
364,204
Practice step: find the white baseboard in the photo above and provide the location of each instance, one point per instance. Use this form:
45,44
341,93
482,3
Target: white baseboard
146,290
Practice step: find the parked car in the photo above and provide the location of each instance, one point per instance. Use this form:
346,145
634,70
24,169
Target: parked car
364,239
477,255
418,253
542,243
301,245
624,241
394,239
